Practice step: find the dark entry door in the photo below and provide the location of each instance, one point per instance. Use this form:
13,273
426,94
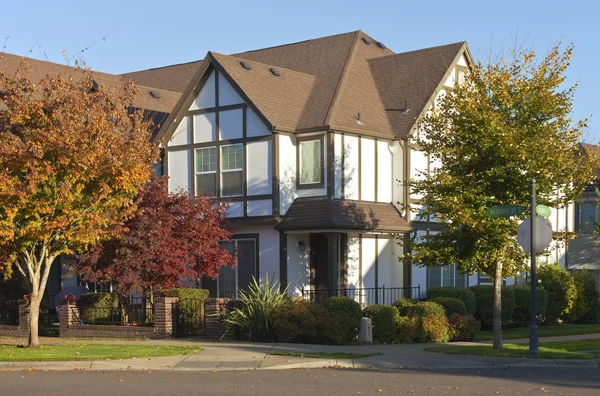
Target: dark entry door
318,261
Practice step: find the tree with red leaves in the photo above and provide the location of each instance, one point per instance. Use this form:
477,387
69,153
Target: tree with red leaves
174,237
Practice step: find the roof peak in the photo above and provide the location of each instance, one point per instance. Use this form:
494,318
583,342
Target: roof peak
298,42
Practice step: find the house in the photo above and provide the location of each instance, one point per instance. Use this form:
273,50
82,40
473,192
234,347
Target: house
310,144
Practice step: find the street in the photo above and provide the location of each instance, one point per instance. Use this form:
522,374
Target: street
554,381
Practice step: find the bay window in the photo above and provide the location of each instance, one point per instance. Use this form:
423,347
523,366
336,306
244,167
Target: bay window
310,162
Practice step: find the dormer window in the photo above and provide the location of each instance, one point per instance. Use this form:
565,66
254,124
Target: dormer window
310,162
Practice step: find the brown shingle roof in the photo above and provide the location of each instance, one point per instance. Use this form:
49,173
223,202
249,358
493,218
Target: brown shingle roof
172,78
316,213
9,64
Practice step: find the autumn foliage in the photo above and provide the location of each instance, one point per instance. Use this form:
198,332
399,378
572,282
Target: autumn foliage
174,237
72,158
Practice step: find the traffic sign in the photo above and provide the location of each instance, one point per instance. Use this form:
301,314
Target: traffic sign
543,234
505,210
542,210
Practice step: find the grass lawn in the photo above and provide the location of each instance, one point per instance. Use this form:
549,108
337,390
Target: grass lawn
548,350
17,353
326,355
544,331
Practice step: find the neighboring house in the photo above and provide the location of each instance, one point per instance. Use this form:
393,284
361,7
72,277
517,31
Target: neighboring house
310,144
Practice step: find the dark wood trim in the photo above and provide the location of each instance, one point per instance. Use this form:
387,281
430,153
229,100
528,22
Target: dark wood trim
216,109
283,256
566,234
343,168
407,267
299,140
360,168
240,198
407,154
360,269
376,169
253,139
376,268
275,175
344,267
330,164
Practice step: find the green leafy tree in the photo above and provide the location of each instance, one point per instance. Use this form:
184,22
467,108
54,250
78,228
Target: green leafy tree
510,122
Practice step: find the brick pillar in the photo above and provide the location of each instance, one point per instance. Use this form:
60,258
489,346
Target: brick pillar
66,316
163,315
214,327
24,318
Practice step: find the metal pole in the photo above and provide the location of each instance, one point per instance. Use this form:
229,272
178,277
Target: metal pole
533,328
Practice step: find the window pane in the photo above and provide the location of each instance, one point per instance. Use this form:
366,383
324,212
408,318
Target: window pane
206,160
231,157
231,184
448,275
226,277
246,265
310,162
435,277
206,182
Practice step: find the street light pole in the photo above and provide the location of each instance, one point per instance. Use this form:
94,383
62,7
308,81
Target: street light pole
533,328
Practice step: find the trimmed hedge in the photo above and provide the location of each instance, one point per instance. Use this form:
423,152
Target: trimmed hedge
406,330
384,320
342,324
299,321
435,328
559,284
522,314
97,307
185,293
462,293
484,309
451,305
403,304
463,327
426,309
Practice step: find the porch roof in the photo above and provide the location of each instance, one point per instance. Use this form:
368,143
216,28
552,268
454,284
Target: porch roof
324,213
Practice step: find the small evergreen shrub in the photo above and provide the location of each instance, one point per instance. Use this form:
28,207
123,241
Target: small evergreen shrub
342,323
98,308
484,309
451,305
384,322
185,293
586,302
406,329
561,290
403,304
426,309
297,321
462,293
435,328
463,327
522,313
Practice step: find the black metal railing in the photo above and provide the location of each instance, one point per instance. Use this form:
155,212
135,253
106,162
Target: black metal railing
365,296
189,317
136,311
9,316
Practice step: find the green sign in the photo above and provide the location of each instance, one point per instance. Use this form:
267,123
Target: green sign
542,210
505,210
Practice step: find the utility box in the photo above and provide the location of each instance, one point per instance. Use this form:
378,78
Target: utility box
366,331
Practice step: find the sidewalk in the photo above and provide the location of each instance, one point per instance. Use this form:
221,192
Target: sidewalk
218,356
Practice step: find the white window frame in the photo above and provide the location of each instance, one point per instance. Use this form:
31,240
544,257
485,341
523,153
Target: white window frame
319,164
205,172
223,171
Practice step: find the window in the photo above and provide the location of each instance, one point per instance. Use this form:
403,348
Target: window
310,163
586,217
231,280
231,170
206,170
446,276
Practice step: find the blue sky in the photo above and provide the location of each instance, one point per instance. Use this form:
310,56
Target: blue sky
124,35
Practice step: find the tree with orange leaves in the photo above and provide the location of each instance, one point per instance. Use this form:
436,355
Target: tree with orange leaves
72,158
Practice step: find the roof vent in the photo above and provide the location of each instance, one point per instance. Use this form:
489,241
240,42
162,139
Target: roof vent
94,87
246,65
366,40
381,45
275,72
155,94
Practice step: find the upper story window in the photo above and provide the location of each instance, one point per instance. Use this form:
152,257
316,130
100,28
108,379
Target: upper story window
206,170
310,162
232,170
586,217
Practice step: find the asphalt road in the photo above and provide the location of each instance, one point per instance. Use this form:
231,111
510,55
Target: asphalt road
553,381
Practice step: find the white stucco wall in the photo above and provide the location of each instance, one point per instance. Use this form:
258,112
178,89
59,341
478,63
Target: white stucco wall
384,171
259,165
298,264
180,177
351,177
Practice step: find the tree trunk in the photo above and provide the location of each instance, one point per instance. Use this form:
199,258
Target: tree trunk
497,314
34,320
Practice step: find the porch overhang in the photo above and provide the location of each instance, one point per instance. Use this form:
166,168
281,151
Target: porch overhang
323,213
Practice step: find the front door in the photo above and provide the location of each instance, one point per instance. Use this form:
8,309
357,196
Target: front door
318,261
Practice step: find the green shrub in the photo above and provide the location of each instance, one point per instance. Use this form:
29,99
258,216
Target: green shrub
185,293
299,321
384,322
403,304
561,290
342,323
462,293
406,329
451,305
463,327
484,309
522,314
436,328
586,298
98,307
426,309
249,319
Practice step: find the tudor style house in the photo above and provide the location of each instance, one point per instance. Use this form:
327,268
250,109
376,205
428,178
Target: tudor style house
309,144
